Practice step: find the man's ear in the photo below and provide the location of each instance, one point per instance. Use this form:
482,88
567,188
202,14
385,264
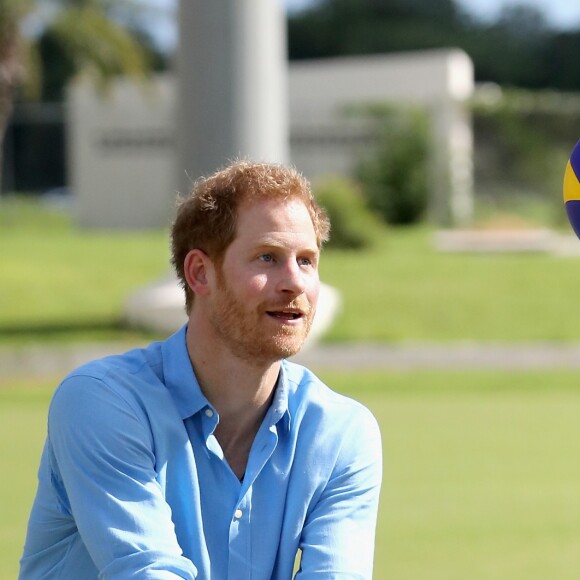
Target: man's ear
196,266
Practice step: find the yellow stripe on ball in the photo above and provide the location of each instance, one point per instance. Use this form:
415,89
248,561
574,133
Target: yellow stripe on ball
571,185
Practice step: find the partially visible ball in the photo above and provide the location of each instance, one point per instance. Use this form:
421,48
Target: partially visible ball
572,189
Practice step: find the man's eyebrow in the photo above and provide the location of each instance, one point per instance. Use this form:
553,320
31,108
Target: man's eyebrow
274,243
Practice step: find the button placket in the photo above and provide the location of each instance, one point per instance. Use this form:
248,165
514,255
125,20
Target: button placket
240,560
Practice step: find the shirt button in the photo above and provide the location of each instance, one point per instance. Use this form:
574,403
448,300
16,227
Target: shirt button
208,413
238,514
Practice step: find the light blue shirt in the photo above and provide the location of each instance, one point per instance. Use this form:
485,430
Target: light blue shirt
133,483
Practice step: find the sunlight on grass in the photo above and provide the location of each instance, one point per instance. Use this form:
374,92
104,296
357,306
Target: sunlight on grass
22,429
480,473
54,276
407,291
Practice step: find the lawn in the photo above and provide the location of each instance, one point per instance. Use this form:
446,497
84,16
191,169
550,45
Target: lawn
481,478
58,283
481,473
405,290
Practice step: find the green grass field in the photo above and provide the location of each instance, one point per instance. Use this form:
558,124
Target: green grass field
58,283
481,473
480,479
405,290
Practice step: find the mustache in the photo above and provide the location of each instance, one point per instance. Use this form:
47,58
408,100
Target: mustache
297,304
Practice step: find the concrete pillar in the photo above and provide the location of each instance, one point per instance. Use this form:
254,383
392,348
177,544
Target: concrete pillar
452,201
232,97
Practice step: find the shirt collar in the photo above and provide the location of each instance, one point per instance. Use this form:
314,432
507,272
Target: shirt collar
180,379
184,388
279,412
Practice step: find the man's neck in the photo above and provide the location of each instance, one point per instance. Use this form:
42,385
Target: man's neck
239,390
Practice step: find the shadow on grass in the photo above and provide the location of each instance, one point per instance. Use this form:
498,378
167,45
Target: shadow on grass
72,331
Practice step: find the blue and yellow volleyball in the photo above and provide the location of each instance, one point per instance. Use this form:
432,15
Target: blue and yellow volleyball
572,189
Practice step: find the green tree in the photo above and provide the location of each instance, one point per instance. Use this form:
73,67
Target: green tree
340,27
395,177
514,49
13,56
520,48
83,30
562,60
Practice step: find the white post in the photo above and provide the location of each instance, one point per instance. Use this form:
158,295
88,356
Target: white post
232,97
232,101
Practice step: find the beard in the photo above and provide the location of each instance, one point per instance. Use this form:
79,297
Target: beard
247,333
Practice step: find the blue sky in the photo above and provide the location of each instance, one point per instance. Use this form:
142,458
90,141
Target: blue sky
560,13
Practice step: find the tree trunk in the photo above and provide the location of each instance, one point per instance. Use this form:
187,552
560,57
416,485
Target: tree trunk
11,72
6,106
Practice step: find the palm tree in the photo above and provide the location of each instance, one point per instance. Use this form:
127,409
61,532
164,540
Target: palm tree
92,43
12,57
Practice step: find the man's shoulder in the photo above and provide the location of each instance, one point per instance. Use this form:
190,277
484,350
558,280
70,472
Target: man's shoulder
131,362
313,395
331,424
126,374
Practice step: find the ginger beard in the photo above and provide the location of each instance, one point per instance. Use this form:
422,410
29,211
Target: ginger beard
250,334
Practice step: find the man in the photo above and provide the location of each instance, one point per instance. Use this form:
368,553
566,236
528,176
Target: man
209,455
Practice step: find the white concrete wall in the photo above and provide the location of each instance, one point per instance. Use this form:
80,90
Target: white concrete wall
424,77
440,80
133,184
121,152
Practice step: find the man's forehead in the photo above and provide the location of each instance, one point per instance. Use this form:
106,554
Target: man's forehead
285,212
276,222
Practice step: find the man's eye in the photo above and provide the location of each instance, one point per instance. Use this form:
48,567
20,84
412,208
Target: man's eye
304,261
266,258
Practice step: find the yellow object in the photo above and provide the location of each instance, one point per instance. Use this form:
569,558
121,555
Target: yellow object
571,184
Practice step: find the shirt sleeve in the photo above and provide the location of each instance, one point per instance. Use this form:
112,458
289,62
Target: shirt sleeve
103,468
338,537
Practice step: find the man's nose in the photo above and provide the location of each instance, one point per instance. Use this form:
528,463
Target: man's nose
292,278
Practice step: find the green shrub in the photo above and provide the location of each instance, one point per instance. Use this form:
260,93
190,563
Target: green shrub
522,142
395,178
353,226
